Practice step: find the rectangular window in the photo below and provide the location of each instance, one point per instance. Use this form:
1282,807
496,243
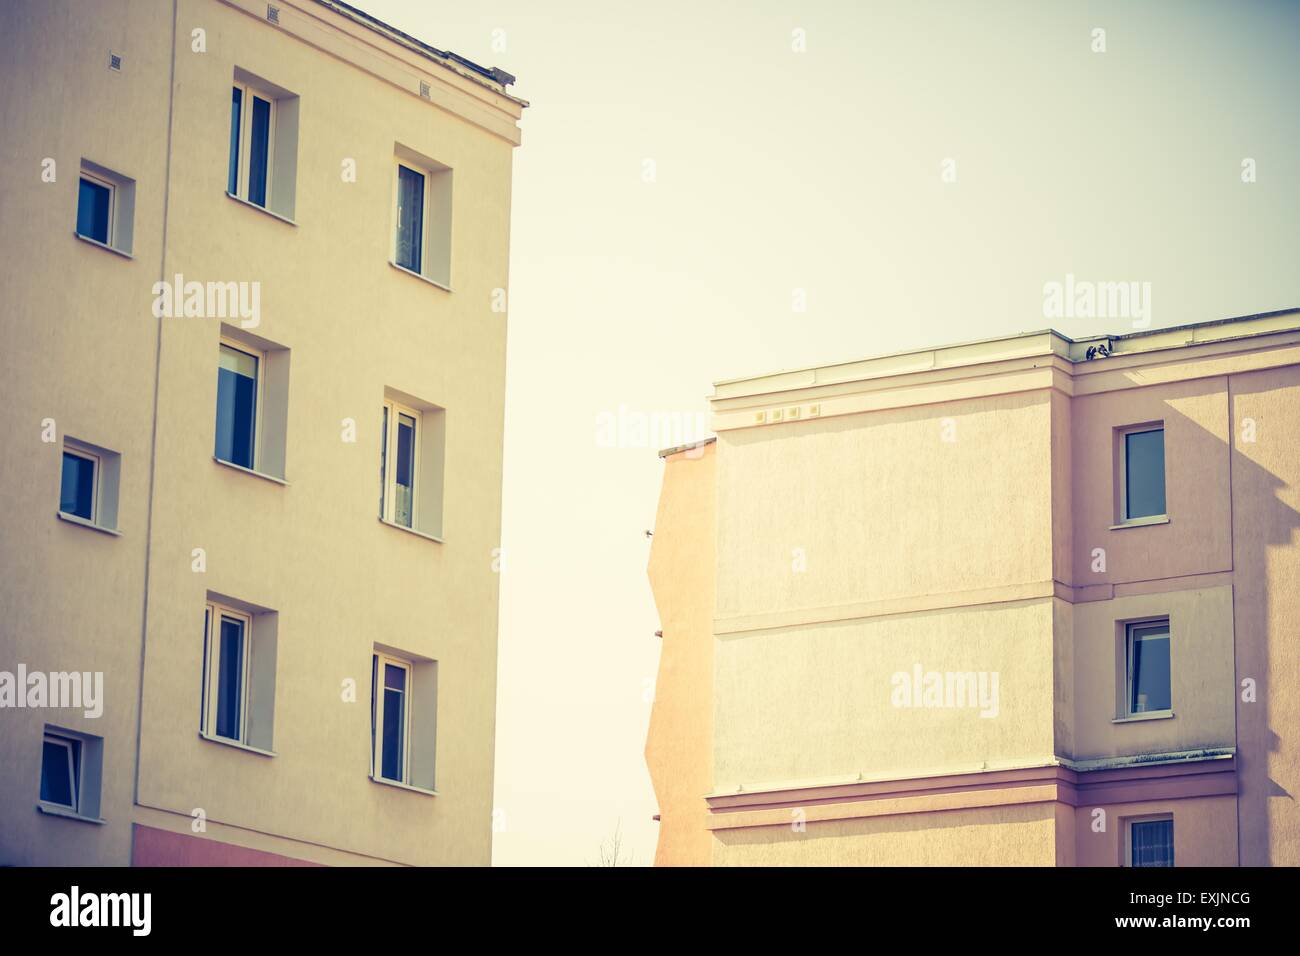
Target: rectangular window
1151,842
61,771
401,428
227,644
95,209
249,175
1144,473
390,719
1149,674
410,218
78,490
237,405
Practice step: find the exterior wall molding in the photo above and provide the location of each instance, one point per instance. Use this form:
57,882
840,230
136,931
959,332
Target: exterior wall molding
454,90
1027,363
1201,773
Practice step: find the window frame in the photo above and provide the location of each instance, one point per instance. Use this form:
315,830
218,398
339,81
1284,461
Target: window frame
110,230
259,399
74,751
213,613
1129,639
378,663
388,457
1124,433
96,466
244,157
398,164
1149,818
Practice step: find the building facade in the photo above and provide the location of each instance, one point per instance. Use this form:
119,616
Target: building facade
1027,601
254,352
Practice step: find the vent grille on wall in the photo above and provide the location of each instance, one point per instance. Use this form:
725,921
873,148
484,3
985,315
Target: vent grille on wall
424,90
115,62
272,13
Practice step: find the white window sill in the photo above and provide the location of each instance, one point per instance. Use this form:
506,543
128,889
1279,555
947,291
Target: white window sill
419,275
57,810
414,531
74,519
1141,522
1146,715
250,471
252,205
103,245
403,786
213,738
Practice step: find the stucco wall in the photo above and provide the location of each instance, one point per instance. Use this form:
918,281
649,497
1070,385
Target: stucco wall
1205,831
679,751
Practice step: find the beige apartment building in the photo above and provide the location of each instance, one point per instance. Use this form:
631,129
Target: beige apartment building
1026,601
254,354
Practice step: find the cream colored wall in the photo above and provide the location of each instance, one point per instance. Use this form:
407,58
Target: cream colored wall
1021,835
1205,831
314,551
1200,651
78,347
860,493
1266,560
679,742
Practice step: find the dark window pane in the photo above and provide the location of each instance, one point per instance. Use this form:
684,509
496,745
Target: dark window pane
236,406
374,668
410,218
1150,670
1144,456
57,784
394,727
383,462
77,492
236,102
230,678
402,506
259,141
394,677
92,211
1153,843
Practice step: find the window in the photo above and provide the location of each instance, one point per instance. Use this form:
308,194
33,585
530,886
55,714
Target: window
411,465
77,493
237,405
403,709
71,769
88,485
239,648
252,403
1151,842
1143,478
262,162
422,217
61,771
105,207
94,208
390,724
1148,668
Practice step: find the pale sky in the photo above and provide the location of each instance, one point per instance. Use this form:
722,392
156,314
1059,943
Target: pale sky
777,170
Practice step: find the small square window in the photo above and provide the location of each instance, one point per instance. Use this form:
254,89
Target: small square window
1142,473
422,216
403,712
412,443
1148,668
263,154
1151,842
88,484
239,652
252,403
71,770
105,207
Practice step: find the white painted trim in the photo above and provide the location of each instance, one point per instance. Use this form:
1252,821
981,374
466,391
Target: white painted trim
73,519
